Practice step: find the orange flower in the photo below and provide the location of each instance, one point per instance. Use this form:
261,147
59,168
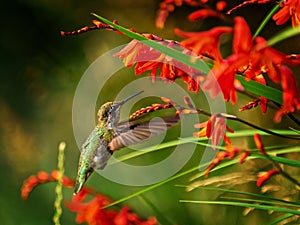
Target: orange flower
291,96
204,43
290,8
93,212
167,6
219,158
230,153
148,59
215,129
222,77
41,178
253,58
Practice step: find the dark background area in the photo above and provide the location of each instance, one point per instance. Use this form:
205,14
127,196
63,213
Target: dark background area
40,73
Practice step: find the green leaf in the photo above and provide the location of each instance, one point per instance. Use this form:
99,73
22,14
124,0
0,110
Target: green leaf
290,32
248,205
268,199
266,20
260,89
199,141
281,218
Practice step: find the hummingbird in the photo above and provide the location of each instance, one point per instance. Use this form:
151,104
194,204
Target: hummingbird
110,135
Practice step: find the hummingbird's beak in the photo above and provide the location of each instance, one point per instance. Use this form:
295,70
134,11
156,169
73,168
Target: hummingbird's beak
127,99
114,116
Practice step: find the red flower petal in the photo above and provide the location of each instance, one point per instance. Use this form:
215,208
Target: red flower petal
204,13
259,144
242,38
266,176
291,96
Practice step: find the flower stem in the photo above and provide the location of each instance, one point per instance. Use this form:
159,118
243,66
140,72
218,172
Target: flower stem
265,21
58,188
232,117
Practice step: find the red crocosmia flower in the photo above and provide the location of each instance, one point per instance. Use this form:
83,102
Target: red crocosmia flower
219,158
148,59
291,96
253,57
204,43
221,78
266,176
242,38
290,8
215,129
92,212
40,178
125,217
204,13
167,6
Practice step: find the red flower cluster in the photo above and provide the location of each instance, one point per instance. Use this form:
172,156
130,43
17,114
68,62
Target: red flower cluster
148,59
204,43
152,108
230,153
289,8
168,6
253,58
94,213
41,178
91,212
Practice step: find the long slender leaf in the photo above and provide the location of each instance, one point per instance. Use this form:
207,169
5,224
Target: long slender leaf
293,31
281,218
236,134
189,171
259,201
266,20
248,205
267,198
152,186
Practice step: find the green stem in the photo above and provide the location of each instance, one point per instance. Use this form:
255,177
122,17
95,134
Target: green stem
266,20
58,188
232,117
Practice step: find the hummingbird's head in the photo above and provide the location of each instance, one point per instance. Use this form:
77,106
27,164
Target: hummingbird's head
110,111
105,111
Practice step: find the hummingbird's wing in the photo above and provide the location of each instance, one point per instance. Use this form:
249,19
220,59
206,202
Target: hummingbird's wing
138,133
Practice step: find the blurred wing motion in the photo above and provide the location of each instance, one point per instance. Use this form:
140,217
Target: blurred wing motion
138,133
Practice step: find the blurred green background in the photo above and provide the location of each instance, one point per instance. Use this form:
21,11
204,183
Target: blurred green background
40,73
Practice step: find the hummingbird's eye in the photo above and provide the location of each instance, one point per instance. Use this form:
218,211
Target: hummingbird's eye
113,107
